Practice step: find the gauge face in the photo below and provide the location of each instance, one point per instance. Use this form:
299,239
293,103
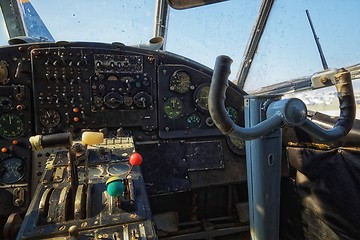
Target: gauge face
118,169
142,99
201,97
11,125
180,82
173,107
113,100
49,118
12,169
232,113
236,145
193,120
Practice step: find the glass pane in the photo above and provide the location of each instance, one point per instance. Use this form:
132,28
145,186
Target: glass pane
287,49
4,36
129,22
325,100
205,32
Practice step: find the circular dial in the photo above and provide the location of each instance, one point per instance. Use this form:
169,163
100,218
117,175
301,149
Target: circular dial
232,113
201,97
236,145
113,100
12,169
142,100
118,168
11,125
173,107
49,118
193,120
180,82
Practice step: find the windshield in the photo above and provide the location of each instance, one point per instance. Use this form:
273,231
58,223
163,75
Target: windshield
217,29
129,22
287,49
4,37
200,33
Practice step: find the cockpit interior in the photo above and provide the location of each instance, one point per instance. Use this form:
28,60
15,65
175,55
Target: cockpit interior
114,141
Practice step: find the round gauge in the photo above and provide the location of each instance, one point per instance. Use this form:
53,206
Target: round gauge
193,120
201,97
113,100
118,168
49,118
236,145
180,82
142,100
173,107
12,169
232,113
11,125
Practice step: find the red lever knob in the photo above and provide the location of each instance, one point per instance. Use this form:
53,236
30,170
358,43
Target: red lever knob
135,159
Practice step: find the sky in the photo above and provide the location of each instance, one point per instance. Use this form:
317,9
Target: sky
288,50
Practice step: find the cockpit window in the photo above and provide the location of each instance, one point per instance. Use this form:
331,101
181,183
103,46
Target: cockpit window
129,22
287,49
3,32
204,33
325,100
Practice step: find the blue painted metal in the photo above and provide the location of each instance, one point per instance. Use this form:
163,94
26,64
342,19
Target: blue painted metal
34,26
263,159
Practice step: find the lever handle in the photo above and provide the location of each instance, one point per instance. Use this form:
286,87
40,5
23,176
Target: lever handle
217,96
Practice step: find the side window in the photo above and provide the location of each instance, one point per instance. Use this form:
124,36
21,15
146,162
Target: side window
4,36
325,100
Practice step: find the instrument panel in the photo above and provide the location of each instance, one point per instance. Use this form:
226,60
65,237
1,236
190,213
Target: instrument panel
157,97
75,88
183,102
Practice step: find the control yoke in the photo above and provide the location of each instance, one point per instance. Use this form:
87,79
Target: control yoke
291,112
265,114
